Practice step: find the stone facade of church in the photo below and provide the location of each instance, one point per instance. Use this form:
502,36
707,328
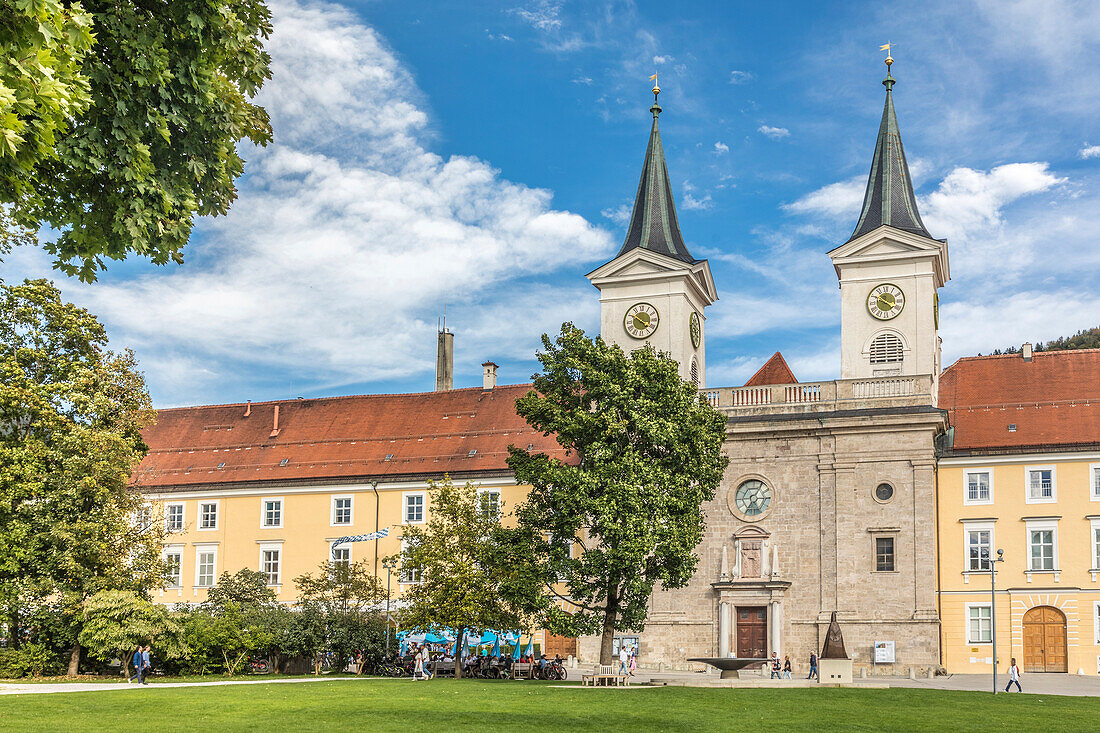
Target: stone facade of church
828,503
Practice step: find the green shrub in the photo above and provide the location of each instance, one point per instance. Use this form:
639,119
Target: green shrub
32,659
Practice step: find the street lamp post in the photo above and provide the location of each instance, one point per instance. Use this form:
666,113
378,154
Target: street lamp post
993,610
389,564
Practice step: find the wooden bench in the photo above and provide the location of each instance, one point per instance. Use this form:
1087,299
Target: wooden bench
521,670
605,676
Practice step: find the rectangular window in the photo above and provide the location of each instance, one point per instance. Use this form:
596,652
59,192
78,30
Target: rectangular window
979,629
1096,620
884,554
1042,549
269,565
1095,471
408,574
1095,544
143,519
341,510
414,508
174,569
490,502
273,513
977,487
1040,485
173,517
978,542
205,561
208,515
341,556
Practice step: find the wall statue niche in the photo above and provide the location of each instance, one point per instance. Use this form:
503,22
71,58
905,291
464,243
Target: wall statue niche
753,554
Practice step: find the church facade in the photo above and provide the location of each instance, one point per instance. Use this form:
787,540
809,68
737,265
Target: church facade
828,503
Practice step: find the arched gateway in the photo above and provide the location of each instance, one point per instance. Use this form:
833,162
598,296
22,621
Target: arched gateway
1044,640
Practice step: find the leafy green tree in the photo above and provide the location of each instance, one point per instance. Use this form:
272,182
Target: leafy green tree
644,453
246,588
346,596
115,622
120,120
71,415
457,556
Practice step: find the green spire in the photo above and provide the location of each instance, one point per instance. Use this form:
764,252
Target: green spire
889,199
653,224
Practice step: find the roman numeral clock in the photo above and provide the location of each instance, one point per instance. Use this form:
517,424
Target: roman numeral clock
641,320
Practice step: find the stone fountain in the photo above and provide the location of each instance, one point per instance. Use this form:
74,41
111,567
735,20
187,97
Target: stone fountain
730,666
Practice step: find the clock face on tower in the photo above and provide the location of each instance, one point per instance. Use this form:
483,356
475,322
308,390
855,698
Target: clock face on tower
885,301
696,329
641,320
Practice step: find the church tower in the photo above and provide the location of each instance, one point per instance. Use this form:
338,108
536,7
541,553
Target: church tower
654,291
890,271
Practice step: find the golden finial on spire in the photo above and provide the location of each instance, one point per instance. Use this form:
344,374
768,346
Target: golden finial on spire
889,58
656,87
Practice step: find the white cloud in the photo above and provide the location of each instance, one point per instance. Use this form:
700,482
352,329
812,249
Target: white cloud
347,235
740,77
839,200
721,147
694,204
586,80
1090,151
619,215
497,36
661,59
775,133
544,15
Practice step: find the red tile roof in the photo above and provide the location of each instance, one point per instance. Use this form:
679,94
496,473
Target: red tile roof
774,371
1053,401
463,432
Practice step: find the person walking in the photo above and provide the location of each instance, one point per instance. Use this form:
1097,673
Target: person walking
137,660
1013,676
418,664
425,662
146,665
775,666
786,667
813,667
624,659
633,660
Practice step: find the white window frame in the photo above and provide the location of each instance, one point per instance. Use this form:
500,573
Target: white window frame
217,514
145,510
177,551
351,511
967,501
1028,499
346,547
1094,481
1043,525
263,512
183,516
1094,542
969,527
893,551
200,550
405,496
983,604
266,547
482,492
410,577
1096,621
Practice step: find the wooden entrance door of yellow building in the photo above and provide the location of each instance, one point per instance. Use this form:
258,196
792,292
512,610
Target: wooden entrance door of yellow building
1044,640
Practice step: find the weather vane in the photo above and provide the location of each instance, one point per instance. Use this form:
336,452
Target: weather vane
889,58
656,87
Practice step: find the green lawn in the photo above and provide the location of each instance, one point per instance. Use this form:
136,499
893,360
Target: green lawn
448,705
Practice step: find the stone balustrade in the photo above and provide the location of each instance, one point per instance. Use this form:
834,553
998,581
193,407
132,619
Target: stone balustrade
824,396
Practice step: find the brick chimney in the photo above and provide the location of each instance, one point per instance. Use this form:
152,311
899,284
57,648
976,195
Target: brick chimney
445,361
488,375
1025,351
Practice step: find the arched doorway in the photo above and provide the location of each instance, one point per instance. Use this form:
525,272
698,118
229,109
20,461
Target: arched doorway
1044,640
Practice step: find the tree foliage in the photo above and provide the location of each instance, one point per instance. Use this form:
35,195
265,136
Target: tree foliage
119,121
115,622
346,596
1088,338
71,415
644,453
458,555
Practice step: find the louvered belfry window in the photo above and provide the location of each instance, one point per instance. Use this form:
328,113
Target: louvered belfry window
886,349
694,372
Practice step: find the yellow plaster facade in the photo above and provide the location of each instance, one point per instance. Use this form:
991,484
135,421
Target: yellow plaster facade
1043,510
289,531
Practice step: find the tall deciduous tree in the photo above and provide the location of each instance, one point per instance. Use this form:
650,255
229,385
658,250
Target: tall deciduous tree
71,415
645,452
457,556
115,622
346,596
120,120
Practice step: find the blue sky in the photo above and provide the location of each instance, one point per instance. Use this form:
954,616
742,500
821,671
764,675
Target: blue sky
488,153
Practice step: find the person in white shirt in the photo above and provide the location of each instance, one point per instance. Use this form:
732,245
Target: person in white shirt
1013,676
624,660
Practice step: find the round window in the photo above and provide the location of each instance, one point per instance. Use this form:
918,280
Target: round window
884,492
753,498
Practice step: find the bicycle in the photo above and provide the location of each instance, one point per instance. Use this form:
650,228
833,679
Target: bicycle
259,665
